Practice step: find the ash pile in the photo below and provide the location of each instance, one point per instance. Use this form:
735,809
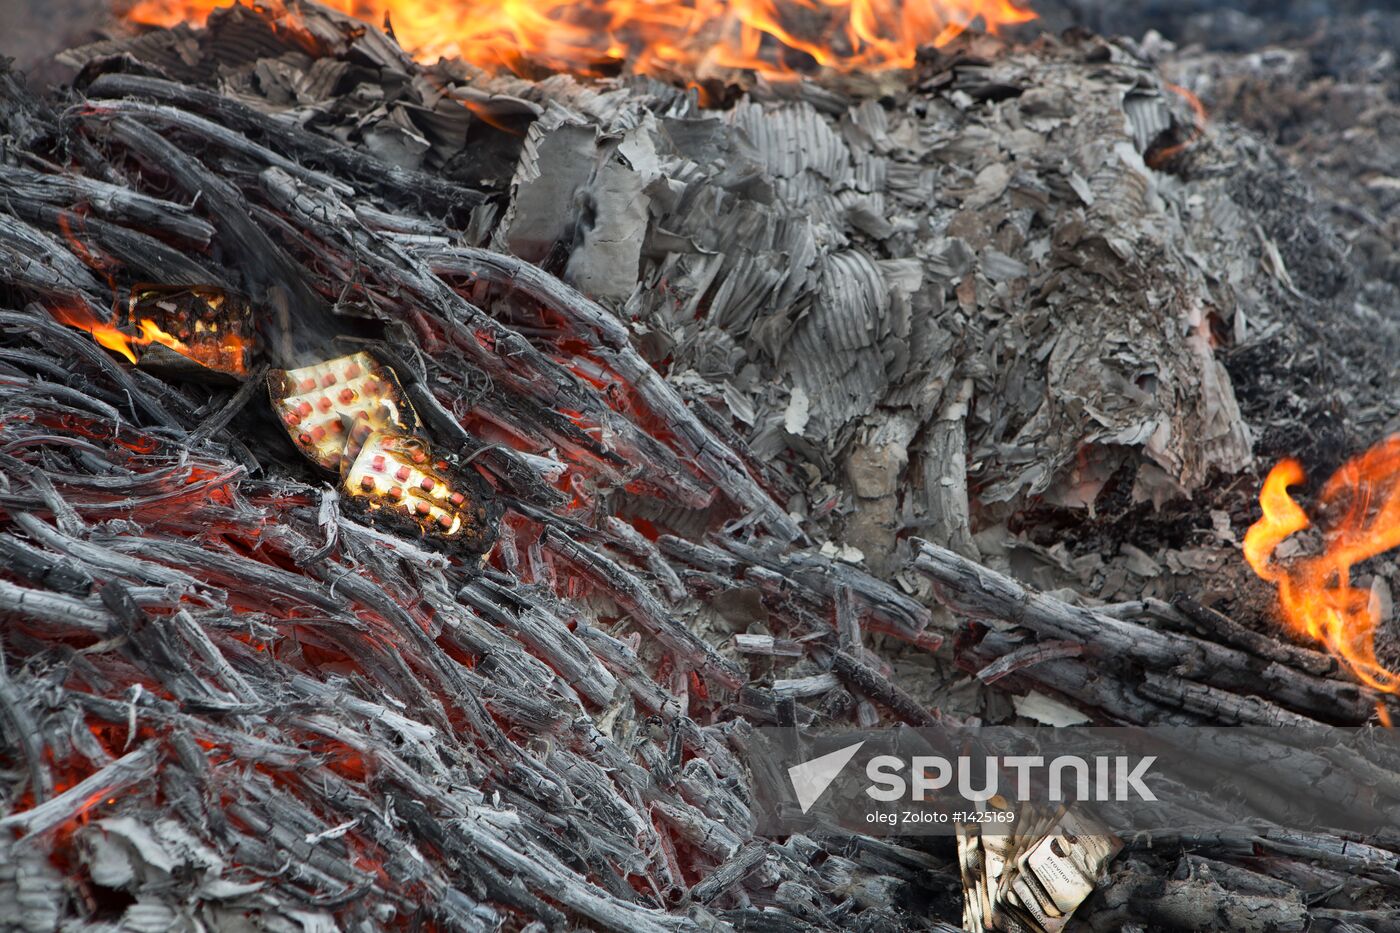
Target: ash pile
708,417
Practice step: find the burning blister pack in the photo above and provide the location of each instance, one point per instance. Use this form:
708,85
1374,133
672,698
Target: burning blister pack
330,409
182,323
350,415
1033,881
397,480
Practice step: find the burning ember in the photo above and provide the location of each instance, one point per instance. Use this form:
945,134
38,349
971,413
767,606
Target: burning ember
396,479
350,416
696,38
205,326
1316,592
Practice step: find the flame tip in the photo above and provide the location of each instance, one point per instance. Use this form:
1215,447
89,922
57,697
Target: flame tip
664,38
1315,593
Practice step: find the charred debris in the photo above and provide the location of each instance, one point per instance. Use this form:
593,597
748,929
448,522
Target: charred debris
833,405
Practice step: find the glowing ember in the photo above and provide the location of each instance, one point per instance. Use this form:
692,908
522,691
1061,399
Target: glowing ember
690,38
202,323
1315,593
1160,157
208,326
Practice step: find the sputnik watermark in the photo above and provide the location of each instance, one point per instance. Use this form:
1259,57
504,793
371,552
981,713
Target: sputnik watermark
932,780
1116,778
810,779
1067,777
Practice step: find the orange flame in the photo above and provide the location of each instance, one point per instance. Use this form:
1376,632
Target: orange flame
119,341
1160,157
693,38
107,335
1315,593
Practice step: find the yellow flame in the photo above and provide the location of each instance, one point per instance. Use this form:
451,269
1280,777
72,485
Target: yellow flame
225,352
690,38
1315,593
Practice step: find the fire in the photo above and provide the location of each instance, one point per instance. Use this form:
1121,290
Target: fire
1160,157
1315,593
351,416
113,339
222,353
690,38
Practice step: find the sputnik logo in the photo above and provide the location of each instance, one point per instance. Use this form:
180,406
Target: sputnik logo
811,778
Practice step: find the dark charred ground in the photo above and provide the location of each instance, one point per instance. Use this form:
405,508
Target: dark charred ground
1313,377
1314,90
1320,83
1309,94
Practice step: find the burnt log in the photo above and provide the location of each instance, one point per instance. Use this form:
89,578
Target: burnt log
981,592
